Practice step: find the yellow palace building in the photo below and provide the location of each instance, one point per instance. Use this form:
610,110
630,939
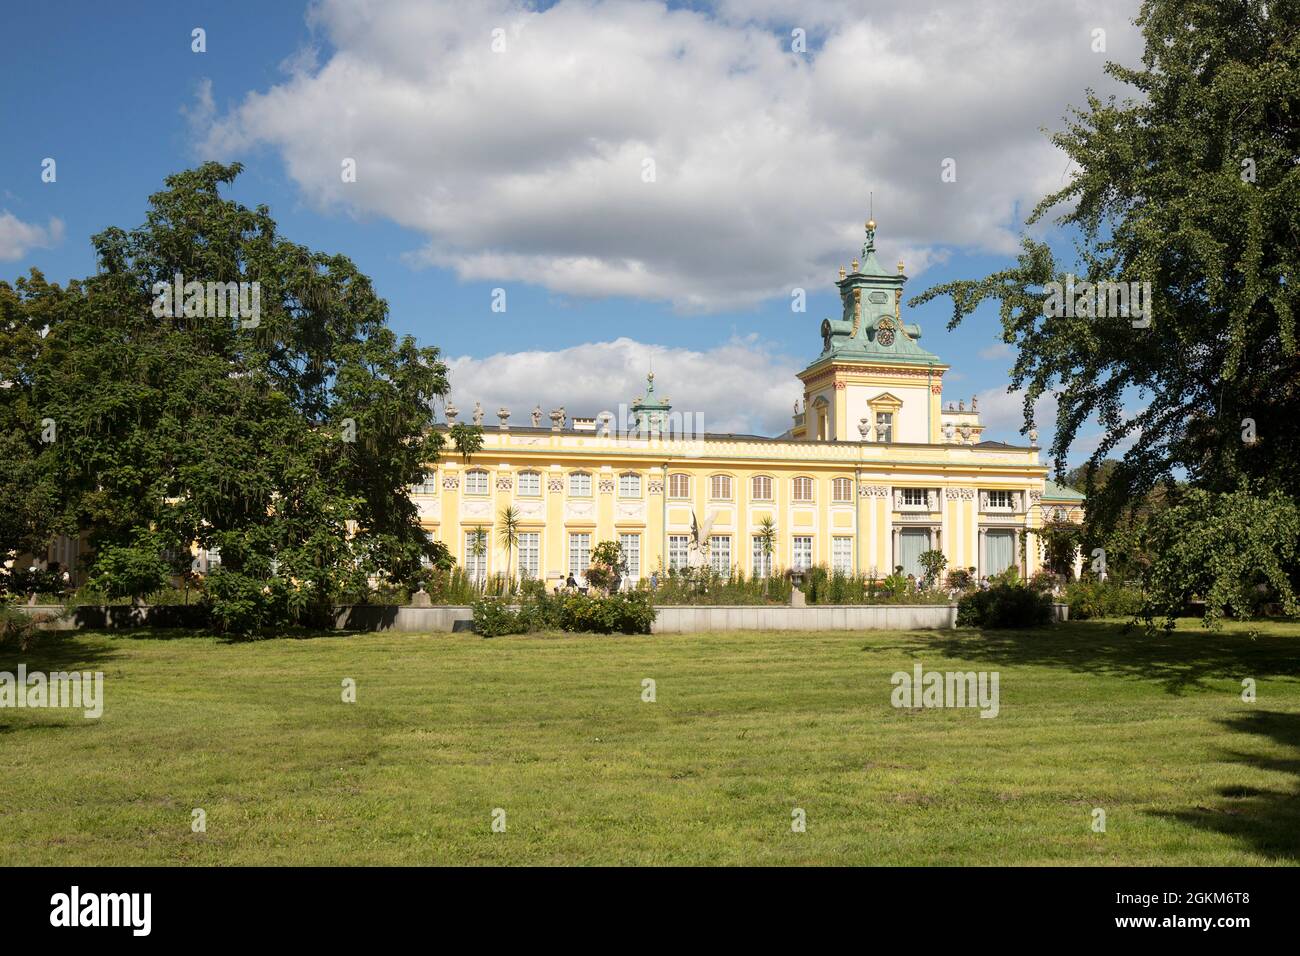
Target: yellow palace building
874,470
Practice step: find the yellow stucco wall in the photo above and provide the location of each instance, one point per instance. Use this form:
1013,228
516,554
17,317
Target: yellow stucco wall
869,518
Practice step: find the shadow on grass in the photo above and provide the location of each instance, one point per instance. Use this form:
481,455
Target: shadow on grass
1267,820
1179,660
56,651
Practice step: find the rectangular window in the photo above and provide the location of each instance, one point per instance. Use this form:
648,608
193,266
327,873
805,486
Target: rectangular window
842,489
916,497
842,554
529,553
476,482
530,483
428,485
999,551
762,561
579,553
477,543
884,426
801,552
762,488
720,553
629,486
802,489
1001,499
580,484
424,559
678,545
630,545
720,487
912,543
679,486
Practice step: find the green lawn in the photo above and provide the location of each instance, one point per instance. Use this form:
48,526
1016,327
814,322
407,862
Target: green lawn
746,728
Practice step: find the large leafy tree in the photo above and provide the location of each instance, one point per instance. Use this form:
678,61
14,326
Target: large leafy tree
30,499
287,439
1192,185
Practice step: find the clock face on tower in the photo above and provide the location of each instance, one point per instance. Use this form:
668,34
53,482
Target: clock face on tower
885,334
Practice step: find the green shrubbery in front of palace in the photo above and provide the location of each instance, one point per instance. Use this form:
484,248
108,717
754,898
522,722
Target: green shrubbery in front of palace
627,612
1090,598
820,585
1005,604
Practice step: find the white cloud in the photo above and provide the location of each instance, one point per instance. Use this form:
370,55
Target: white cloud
17,237
999,350
526,165
1003,415
739,386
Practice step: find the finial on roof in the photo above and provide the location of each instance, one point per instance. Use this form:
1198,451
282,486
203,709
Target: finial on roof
869,246
900,265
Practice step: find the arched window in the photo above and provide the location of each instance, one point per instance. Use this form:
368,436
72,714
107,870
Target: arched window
842,489
629,485
679,486
761,488
476,482
580,484
530,483
720,487
802,489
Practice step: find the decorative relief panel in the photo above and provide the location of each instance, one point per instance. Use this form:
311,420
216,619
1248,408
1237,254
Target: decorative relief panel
873,491
656,487
630,511
451,482
530,508
607,486
555,484
504,483
1035,496
476,508
964,494
579,509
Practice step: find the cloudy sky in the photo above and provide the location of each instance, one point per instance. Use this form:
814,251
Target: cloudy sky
647,183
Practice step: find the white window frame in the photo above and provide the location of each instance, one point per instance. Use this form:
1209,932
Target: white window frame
530,484
529,551
629,485
477,566
678,551
428,485
801,552
472,482
842,553
720,483
885,427
579,484
755,493
720,545
923,493
762,561
795,484
837,484
673,481
629,543
579,553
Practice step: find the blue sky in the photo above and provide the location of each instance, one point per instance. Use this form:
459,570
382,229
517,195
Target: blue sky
120,101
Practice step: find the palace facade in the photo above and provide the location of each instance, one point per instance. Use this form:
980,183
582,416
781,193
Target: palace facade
874,470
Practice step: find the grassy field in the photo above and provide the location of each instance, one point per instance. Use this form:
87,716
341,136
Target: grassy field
746,727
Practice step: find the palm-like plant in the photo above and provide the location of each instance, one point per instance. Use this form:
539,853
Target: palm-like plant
508,532
478,548
766,546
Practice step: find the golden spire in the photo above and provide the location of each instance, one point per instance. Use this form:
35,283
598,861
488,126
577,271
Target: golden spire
855,265
841,272
900,265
